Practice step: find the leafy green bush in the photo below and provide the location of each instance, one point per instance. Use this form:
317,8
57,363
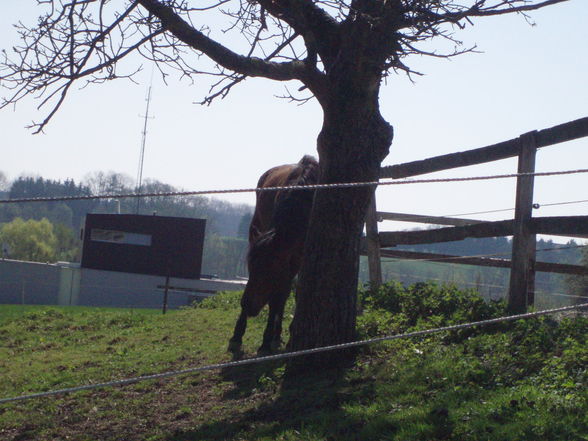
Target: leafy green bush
223,300
394,308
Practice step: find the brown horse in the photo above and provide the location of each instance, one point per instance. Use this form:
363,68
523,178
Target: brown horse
276,241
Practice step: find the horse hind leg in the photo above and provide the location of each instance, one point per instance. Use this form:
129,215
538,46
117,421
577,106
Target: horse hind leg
237,339
268,334
272,336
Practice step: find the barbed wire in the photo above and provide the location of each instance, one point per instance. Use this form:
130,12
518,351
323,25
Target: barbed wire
566,295
307,351
535,206
291,187
561,203
480,212
449,258
401,276
288,355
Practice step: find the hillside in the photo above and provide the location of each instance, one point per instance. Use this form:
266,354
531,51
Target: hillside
492,283
227,227
526,380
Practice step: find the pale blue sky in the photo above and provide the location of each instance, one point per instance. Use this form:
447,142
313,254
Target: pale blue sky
527,78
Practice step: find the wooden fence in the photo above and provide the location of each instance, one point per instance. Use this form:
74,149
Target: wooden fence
524,227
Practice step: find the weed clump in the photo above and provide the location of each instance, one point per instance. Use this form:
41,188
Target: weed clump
394,308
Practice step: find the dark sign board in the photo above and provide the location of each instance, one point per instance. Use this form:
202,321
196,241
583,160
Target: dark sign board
156,245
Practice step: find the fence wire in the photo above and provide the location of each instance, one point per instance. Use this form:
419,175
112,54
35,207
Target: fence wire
536,206
291,187
288,355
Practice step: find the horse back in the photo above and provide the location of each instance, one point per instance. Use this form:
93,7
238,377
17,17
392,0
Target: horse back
284,209
266,200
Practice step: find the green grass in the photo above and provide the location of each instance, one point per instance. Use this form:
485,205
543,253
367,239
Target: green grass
11,312
522,381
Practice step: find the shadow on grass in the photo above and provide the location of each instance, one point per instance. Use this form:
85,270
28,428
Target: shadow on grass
311,400
247,379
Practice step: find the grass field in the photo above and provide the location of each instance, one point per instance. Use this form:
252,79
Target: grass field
523,381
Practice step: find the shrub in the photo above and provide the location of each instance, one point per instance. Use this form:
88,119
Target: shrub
223,300
394,308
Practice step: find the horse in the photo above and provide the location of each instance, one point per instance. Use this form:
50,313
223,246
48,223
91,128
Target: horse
276,240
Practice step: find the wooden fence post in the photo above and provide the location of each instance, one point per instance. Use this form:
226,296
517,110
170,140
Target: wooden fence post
165,294
532,271
373,244
523,242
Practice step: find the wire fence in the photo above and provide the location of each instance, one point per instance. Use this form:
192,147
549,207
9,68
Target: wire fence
535,206
288,355
292,187
488,255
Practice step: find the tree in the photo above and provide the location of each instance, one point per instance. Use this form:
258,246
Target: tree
4,184
340,50
109,183
31,240
68,244
243,230
70,213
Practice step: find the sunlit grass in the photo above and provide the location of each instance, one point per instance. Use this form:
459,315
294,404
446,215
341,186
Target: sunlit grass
526,381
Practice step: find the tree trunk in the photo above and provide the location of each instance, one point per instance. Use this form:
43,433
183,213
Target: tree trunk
352,144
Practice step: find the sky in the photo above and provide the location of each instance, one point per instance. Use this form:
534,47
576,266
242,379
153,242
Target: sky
526,78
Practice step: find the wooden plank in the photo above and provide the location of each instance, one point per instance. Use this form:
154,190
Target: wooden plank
449,234
532,269
423,219
446,258
574,226
495,152
373,244
523,247
502,150
563,132
560,268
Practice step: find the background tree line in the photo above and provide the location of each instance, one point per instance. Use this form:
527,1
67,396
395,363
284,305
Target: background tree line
50,232
490,282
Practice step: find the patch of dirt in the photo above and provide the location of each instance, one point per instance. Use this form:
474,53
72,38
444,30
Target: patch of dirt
154,409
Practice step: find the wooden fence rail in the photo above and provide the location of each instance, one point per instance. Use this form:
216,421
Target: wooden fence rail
573,226
523,227
560,268
503,150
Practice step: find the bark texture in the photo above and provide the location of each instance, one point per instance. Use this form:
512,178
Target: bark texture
352,144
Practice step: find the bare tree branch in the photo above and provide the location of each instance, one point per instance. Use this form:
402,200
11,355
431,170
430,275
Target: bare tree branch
249,66
89,39
236,79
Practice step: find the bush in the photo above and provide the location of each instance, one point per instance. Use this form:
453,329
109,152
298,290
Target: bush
223,300
394,308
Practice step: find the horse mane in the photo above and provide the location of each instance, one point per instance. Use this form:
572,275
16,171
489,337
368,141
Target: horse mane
291,210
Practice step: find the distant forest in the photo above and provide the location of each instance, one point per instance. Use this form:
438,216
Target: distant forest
226,223
227,226
551,289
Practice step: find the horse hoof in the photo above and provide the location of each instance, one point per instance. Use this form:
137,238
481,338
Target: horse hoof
234,347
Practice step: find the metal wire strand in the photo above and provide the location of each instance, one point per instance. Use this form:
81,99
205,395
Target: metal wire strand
287,355
293,187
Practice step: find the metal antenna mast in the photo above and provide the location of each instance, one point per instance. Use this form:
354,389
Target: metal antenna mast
142,154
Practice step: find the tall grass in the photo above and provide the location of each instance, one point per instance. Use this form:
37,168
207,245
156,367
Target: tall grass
521,381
